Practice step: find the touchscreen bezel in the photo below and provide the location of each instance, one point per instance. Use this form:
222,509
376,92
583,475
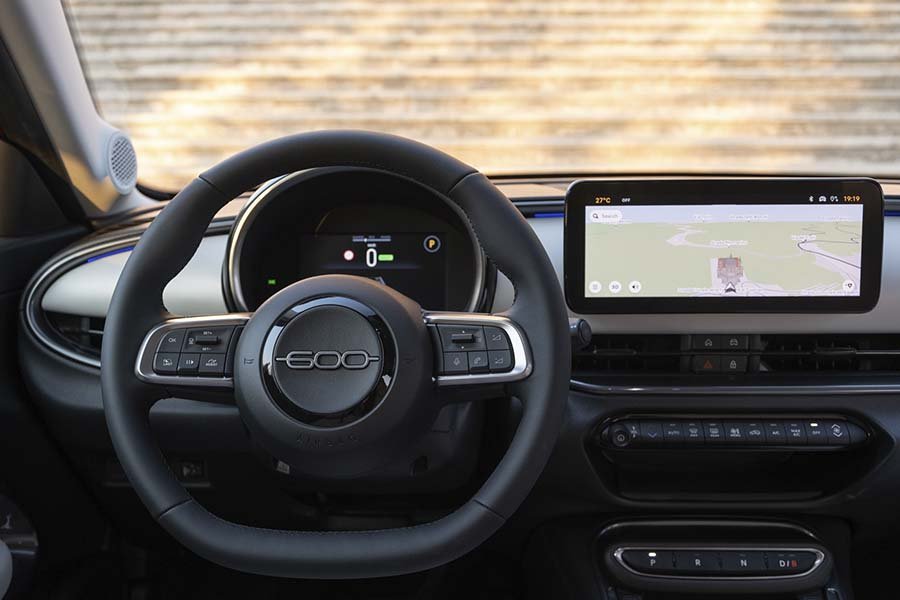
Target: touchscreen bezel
583,193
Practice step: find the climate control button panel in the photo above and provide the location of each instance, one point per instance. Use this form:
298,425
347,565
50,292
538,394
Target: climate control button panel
764,432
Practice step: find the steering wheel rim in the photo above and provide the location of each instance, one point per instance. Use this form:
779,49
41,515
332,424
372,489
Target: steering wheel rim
166,247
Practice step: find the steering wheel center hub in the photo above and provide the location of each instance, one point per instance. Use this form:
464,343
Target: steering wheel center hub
329,361
329,376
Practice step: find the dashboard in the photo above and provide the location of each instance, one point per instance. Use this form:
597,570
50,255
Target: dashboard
648,427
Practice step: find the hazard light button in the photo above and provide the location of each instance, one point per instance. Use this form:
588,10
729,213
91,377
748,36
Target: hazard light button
707,364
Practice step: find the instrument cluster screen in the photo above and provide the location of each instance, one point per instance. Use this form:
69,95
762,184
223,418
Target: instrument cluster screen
414,264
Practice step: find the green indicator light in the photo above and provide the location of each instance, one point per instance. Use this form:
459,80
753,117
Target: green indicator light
385,258
272,281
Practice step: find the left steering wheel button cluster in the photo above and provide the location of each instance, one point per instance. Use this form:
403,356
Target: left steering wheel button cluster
193,352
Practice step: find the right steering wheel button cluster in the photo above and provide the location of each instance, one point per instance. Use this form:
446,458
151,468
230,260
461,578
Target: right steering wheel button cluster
474,349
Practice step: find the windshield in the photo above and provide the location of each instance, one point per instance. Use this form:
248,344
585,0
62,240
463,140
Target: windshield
769,86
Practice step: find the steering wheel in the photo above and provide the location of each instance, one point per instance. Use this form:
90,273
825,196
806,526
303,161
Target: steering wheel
334,375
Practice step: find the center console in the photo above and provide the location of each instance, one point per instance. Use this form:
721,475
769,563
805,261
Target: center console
715,445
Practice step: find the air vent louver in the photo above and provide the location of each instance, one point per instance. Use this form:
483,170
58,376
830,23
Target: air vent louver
847,353
624,354
791,355
82,335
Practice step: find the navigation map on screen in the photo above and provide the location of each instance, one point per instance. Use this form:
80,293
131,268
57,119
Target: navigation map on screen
723,250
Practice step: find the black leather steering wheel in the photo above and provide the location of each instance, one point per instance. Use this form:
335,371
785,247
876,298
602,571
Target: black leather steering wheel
379,355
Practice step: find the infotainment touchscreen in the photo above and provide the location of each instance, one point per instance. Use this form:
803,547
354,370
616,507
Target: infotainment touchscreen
779,245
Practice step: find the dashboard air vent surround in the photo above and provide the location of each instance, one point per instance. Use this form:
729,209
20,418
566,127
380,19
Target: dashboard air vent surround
83,335
630,354
785,359
843,353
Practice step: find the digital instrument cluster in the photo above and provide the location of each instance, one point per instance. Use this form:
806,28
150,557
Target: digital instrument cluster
354,222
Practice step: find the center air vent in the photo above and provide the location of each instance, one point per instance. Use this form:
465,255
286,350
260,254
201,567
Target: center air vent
847,353
626,354
753,359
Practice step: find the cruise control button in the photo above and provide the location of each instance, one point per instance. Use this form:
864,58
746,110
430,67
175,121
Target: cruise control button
165,363
795,432
471,332
697,562
171,341
455,363
212,365
500,360
478,362
495,338
208,339
462,338
188,364
736,562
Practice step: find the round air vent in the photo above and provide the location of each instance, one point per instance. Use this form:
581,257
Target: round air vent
121,163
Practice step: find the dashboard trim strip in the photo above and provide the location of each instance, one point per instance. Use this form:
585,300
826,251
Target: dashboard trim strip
712,390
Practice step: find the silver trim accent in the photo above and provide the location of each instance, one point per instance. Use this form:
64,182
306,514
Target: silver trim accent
56,268
638,522
820,558
264,194
521,352
143,364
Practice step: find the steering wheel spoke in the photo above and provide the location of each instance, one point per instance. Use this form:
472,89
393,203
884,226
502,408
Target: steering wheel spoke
192,356
477,350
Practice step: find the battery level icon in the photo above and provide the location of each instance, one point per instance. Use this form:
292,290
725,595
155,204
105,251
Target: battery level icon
386,257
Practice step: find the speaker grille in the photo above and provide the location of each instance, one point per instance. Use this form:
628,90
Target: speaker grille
122,163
